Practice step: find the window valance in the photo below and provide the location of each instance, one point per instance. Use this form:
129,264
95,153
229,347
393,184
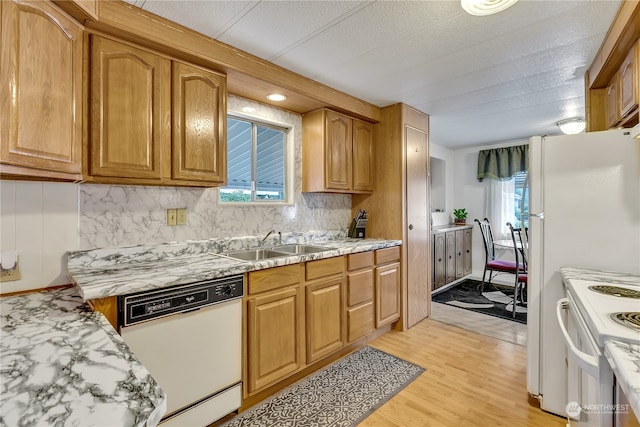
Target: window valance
503,163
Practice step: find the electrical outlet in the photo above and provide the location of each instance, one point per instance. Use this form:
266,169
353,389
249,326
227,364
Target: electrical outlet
9,269
181,218
172,216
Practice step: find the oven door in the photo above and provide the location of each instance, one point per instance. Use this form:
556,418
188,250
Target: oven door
589,377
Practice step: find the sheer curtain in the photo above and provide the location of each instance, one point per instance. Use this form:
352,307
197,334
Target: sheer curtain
500,206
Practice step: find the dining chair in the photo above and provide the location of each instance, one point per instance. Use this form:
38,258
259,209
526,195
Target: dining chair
520,246
491,264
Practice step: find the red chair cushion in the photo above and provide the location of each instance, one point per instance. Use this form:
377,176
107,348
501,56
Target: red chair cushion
502,265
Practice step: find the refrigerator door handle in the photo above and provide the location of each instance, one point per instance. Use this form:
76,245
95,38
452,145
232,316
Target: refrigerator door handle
537,215
586,361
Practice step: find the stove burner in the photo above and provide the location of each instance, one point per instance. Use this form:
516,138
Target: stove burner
616,291
629,319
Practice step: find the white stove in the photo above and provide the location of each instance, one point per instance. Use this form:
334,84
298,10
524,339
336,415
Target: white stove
587,319
598,307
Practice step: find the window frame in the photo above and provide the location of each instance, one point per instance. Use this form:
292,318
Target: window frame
288,161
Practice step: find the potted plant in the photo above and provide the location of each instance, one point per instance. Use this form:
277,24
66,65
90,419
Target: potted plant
460,216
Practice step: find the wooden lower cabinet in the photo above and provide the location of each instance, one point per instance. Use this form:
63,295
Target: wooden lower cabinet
451,255
438,261
274,325
297,315
387,294
360,321
360,284
324,315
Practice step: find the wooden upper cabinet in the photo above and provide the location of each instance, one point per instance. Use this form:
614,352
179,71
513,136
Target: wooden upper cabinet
155,121
199,124
129,110
612,106
40,92
337,153
629,82
362,156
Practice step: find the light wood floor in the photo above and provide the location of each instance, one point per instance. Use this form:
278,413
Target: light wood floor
470,380
496,327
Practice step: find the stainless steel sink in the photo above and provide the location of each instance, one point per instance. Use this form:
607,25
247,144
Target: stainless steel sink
301,249
255,254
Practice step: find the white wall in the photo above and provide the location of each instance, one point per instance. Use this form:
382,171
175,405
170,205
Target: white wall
39,221
469,193
447,155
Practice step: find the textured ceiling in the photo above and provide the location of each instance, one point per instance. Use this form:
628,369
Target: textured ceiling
482,80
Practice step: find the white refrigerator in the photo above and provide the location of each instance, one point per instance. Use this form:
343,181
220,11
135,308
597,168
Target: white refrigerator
584,205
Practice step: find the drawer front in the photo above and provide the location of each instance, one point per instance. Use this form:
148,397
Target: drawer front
360,321
359,287
361,260
273,278
386,255
324,267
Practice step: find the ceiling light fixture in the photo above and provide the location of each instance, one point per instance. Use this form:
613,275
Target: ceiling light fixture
571,126
485,7
276,97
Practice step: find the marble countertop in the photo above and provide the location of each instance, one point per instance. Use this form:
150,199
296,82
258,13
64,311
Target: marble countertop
103,273
625,361
64,365
624,357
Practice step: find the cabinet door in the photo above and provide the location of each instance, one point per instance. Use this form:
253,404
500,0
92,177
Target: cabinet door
450,269
611,102
338,151
324,311
362,156
628,82
459,253
199,124
387,294
467,251
360,321
41,89
130,89
273,337
439,278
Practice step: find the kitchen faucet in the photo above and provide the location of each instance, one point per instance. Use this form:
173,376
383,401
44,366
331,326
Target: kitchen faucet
265,237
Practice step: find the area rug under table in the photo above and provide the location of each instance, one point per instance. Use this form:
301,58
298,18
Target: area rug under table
341,394
496,300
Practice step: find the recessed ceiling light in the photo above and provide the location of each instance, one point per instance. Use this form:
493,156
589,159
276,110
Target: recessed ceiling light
485,7
276,97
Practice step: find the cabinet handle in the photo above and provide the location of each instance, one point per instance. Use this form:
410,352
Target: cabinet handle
626,67
410,226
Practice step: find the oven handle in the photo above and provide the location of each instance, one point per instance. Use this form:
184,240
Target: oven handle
586,361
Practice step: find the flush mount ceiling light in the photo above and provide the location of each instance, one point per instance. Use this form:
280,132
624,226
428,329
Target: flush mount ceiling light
571,126
485,7
276,97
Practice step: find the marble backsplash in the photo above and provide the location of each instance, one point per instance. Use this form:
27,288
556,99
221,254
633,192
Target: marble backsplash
118,215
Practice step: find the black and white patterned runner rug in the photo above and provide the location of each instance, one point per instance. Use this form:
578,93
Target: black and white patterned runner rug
339,395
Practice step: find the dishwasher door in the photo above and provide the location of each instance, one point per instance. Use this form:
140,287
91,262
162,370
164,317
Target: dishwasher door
192,355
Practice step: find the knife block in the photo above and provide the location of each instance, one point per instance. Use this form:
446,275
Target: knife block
357,229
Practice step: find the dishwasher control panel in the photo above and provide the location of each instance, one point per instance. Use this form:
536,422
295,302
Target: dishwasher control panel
154,304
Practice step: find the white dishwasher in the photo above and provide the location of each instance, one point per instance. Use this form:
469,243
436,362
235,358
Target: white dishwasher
190,339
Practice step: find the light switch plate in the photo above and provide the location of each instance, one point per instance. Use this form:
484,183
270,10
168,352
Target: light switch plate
172,216
181,216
